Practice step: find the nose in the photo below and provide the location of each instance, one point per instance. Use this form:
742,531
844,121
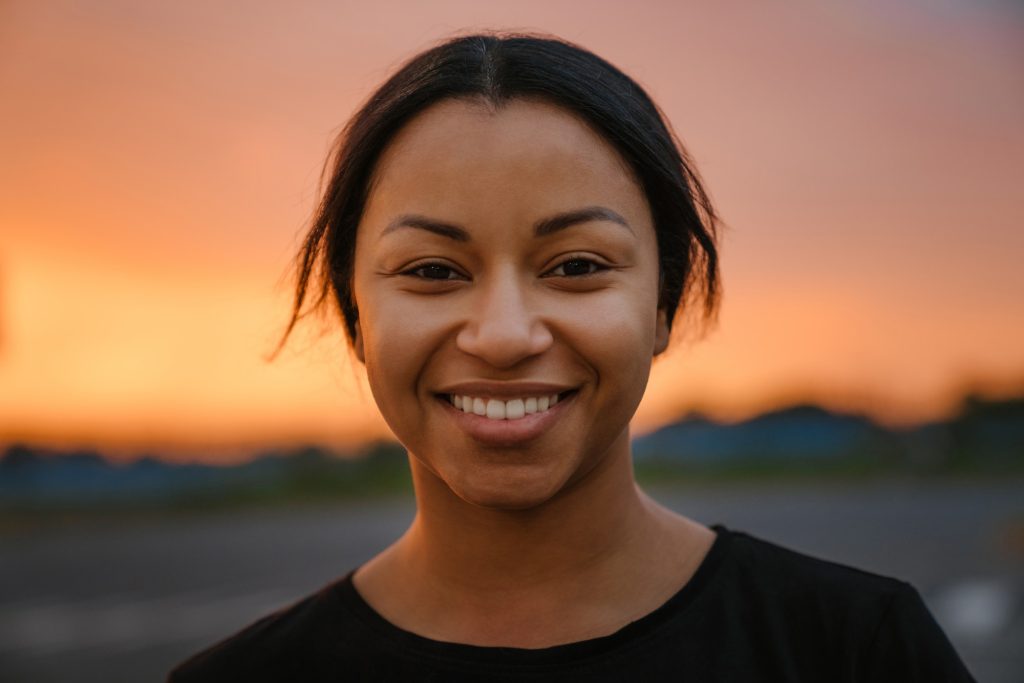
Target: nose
503,328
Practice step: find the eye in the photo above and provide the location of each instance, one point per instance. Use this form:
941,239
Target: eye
576,267
433,271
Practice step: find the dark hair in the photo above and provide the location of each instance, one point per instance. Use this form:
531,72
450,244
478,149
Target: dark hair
498,68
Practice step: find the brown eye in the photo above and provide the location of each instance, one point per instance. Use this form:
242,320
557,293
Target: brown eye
576,267
433,271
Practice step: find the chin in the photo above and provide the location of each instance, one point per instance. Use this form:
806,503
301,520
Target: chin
508,492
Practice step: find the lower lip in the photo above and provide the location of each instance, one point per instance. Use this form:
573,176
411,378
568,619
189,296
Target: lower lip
506,433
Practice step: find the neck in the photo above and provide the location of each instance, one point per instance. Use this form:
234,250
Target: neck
595,557
578,533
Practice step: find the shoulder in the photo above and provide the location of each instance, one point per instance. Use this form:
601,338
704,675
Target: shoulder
274,646
878,625
792,573
787,591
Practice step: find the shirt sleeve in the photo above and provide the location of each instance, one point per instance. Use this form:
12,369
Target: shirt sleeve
911,647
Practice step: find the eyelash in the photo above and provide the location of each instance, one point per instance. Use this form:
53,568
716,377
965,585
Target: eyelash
414,272
598,267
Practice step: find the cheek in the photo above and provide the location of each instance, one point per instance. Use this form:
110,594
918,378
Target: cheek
615,333
622,317
397,336
401,336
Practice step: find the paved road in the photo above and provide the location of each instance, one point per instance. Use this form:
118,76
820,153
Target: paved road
125,602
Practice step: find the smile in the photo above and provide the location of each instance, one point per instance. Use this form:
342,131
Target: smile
506,422
497,409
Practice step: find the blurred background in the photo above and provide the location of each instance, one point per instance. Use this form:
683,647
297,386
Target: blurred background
162,485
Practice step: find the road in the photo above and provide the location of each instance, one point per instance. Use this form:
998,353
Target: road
125,601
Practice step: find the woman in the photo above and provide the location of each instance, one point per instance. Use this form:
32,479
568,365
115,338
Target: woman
509,231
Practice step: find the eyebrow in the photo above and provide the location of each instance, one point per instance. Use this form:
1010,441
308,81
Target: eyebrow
542,228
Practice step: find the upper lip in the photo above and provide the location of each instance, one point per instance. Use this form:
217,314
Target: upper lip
505,389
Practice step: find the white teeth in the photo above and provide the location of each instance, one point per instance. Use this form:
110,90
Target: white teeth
496,409
515,409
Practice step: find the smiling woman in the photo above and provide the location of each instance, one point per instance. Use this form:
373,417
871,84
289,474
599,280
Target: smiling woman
485,309
508,233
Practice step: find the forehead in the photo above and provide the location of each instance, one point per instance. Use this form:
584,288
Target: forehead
525,157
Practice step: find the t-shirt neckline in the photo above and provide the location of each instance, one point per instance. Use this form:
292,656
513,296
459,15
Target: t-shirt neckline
463,653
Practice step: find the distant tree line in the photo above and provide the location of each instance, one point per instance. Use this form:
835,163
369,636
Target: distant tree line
985,438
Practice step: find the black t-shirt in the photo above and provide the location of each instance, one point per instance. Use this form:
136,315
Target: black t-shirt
752,612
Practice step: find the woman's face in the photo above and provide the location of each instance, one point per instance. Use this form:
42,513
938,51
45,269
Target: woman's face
506,257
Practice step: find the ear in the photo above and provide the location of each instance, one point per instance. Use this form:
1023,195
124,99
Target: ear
357,343
661,332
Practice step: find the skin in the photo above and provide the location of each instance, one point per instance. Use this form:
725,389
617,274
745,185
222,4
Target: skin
527,543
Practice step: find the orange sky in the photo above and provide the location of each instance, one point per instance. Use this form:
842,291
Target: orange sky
157,165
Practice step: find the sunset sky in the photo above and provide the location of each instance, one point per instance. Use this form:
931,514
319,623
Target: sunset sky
159,161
